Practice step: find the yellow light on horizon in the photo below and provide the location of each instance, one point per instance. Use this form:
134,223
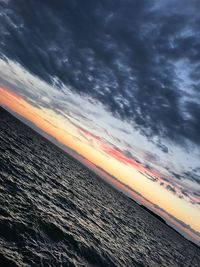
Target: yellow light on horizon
68,134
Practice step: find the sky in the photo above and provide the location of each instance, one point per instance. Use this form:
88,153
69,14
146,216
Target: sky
116,83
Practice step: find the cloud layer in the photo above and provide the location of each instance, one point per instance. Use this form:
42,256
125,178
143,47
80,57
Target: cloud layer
131,66
139,58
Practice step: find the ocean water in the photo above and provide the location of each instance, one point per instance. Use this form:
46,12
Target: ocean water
55,212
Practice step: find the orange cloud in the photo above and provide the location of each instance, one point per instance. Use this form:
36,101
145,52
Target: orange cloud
115,153
9,93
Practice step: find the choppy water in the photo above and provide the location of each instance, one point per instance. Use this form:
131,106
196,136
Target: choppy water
55,212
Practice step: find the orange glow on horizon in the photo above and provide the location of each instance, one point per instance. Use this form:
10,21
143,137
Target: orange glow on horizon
112,160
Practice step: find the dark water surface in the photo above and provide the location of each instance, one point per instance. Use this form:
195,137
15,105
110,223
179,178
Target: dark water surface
55,212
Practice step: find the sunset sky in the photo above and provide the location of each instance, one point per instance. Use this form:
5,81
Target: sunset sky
119,86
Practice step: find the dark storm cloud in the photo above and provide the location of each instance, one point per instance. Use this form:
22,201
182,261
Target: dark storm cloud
129,55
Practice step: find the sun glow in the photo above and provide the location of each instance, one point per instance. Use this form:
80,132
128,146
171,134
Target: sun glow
101,154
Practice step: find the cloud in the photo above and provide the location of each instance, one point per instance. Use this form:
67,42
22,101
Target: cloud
130,56
170,188
97,129
193,176
125,72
